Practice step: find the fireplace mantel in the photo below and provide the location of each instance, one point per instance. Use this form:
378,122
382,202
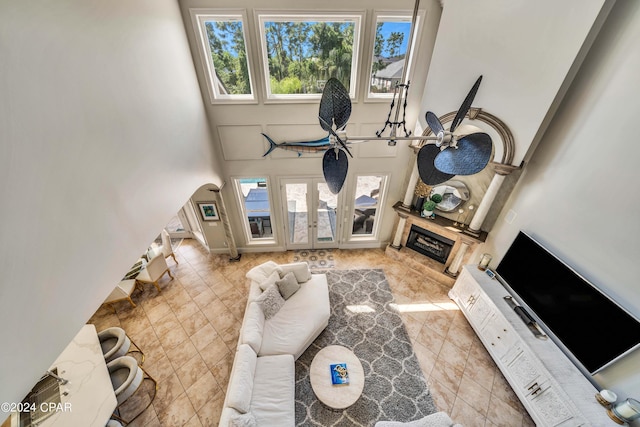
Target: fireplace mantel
441,226
440,222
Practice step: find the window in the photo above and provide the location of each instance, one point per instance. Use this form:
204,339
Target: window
224,54
256,208
301,52
368,194
389,51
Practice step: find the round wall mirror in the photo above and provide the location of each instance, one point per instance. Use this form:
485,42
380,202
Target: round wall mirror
453,193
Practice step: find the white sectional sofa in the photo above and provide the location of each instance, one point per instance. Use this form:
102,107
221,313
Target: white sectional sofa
262,383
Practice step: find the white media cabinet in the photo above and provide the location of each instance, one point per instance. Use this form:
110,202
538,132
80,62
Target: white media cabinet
549,385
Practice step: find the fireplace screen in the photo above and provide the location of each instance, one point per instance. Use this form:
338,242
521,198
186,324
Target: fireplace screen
429,244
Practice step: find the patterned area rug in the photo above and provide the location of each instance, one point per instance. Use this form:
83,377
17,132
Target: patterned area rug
316,258
363,320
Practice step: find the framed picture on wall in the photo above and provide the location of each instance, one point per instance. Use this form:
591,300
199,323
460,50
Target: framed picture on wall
209,211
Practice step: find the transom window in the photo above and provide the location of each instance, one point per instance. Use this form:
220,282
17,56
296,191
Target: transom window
301,52
224,51
392,33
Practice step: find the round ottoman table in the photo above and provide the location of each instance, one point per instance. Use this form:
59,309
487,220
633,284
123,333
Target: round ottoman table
336,396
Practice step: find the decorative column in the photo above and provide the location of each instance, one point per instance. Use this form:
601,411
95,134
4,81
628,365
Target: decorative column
228,233
413,181
397,238
454,267
406,205
489,196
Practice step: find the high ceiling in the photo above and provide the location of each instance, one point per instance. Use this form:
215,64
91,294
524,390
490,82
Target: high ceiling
237,127
526,55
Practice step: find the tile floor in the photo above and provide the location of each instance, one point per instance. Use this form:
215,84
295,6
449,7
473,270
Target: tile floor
190,330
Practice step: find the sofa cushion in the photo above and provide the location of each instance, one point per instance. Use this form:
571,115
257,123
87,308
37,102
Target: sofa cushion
241,382
253,327
273,401
225,417
288,285
300,270
271,280
243,420
270,301
304,315
254,292
262,271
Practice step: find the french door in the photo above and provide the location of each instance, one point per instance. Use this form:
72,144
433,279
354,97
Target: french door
311,214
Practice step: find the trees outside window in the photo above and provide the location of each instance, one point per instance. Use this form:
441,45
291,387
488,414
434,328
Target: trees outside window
224,50
229,54
302,53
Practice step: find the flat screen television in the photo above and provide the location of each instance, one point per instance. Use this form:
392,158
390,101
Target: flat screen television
589,324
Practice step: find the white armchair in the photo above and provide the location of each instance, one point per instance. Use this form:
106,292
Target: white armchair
156,268
122,292
166,248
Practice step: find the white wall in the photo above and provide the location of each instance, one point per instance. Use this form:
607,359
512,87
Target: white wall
103,137
577,195
213,230
523,49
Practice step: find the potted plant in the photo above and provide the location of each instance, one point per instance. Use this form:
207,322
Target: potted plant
436,198
430,204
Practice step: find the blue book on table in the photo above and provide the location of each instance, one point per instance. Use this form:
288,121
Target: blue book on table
339,373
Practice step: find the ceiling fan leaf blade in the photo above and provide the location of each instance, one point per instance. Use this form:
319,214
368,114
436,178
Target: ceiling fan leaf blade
426,168
471,156
466,104
334,167
434,123
335,105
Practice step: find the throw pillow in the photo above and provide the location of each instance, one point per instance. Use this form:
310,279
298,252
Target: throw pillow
243,420
262,271
270,301
300,269
288,285
269,280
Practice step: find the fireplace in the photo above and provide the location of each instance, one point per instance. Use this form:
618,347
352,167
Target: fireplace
430,244
452,246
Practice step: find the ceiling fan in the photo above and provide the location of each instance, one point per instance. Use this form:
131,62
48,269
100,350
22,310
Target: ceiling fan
438,162
453,154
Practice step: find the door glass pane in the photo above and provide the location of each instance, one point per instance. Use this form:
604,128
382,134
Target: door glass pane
256,206
297,212
327,205
366,204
